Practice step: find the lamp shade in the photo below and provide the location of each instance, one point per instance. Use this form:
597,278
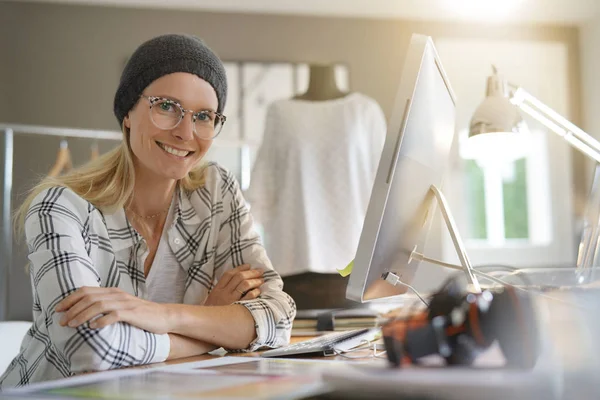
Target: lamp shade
496,113
497,129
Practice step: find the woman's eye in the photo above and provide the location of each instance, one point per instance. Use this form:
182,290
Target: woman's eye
167,106
204,117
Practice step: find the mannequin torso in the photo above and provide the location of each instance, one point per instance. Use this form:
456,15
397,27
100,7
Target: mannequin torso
322,85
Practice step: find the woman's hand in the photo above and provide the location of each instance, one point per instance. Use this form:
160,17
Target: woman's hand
112,305
241,283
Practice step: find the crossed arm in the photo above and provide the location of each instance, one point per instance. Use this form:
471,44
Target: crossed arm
98,328
192,329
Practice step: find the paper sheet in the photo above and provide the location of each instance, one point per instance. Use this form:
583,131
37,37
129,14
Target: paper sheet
222,378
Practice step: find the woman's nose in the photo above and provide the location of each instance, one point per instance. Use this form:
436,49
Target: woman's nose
185,130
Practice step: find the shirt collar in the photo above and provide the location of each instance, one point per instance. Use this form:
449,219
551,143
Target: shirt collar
122,235
185,211
120,232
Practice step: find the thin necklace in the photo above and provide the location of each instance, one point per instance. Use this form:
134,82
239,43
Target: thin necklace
148,216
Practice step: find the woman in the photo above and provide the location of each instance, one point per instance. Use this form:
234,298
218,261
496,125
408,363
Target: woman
145,254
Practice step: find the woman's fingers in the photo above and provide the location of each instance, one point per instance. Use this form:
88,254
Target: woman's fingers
251,295
249,284
83,292
241,276
228,275
98,308
77,295
87,300
83,304
235,284
76,309
106,320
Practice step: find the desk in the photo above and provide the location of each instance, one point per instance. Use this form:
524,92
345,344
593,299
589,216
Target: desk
266,391
233,376
568,366
274,392
573,336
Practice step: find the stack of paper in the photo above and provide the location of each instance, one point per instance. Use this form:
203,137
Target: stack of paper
310,322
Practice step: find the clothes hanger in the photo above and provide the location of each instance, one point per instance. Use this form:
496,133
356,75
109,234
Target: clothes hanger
63,160
95,152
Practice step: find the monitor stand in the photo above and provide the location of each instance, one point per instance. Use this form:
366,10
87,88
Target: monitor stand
465,266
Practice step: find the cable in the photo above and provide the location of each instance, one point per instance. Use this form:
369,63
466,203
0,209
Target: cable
364,345
421,257
394,280
513,270
534,292
502,266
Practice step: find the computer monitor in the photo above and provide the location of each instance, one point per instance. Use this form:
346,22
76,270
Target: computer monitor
415,157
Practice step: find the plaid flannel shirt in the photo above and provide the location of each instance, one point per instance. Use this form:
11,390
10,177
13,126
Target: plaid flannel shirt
73,244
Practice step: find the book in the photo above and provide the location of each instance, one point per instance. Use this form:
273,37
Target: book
335,320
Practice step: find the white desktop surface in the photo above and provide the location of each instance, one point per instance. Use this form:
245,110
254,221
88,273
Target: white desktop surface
568,366
449,383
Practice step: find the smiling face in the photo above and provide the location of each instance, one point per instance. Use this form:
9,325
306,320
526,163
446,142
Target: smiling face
170,154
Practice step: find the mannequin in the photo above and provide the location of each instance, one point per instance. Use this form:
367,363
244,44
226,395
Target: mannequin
311,183
322,84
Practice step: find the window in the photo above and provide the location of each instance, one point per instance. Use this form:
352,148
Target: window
520,214
509,203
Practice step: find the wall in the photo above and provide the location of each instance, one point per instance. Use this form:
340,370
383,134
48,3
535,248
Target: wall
70,57
590,65
77,52
6,57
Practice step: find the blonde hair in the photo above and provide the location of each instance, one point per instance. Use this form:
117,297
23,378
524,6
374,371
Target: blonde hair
106,182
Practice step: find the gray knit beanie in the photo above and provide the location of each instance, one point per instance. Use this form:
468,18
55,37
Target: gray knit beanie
164,55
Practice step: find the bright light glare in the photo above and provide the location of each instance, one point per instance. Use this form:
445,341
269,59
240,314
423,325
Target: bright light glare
491,9
496,148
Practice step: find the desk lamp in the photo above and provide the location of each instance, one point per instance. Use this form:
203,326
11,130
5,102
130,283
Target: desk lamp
498,122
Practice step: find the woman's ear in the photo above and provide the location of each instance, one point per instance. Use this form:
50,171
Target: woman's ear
126,122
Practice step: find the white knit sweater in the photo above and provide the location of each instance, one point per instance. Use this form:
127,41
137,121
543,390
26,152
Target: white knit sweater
312,180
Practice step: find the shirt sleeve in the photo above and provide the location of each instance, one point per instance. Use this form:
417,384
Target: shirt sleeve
59,244
261,194
238,243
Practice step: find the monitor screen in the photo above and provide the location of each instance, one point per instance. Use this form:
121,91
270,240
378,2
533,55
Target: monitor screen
414,157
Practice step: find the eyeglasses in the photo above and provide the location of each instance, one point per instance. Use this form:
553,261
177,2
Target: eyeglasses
167,114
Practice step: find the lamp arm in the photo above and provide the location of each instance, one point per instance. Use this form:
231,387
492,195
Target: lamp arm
574,135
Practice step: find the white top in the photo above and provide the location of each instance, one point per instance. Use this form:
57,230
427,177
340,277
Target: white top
312,180
166,280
